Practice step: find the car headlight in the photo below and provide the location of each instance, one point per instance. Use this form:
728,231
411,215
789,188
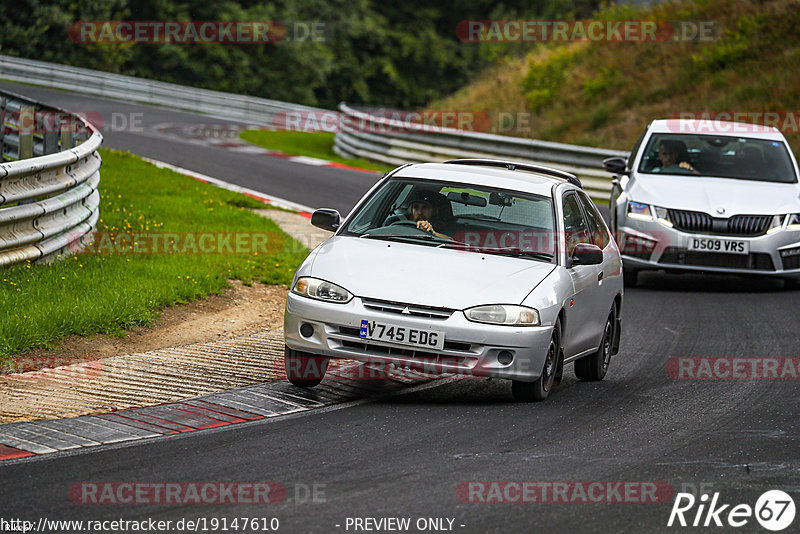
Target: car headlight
321,290
637,210
794,222
662,216
505,314
646,212
776,224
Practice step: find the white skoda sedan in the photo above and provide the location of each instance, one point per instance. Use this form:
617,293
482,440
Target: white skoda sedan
708,196
473,267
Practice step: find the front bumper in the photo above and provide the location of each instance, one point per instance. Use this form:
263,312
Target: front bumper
671,251
470,348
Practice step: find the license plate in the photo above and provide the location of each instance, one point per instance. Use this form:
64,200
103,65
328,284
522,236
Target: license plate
415,337
725,246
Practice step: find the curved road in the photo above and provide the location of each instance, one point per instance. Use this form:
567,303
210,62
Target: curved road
162,135
407,455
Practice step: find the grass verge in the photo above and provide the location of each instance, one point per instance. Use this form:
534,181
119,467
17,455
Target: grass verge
310,144
103,290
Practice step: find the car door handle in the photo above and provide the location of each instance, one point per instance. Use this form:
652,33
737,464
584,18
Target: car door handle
600,276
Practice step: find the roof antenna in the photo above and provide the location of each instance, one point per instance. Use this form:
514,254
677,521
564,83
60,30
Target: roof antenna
511,166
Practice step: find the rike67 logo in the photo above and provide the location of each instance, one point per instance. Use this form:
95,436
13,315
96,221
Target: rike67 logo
774,510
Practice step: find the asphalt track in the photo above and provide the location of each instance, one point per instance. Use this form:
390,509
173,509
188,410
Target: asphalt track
406,455
156,133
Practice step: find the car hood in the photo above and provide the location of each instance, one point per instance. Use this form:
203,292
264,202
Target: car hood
699,193
426,275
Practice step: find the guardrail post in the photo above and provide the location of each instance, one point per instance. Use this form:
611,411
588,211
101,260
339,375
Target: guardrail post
47,123
66,134
27,124
3,101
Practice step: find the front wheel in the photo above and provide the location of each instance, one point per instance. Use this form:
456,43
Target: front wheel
595,367
304,370
538,390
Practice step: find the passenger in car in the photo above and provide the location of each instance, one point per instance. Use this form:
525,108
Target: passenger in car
674,158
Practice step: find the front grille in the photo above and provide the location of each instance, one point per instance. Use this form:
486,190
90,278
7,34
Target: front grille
748,225
753,261
411,354
448,345
691,221
696,222
791,262
415,310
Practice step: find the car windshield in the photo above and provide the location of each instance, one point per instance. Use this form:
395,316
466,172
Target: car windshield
718,156
453,215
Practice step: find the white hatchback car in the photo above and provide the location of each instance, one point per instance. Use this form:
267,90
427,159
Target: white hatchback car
708,196
474,267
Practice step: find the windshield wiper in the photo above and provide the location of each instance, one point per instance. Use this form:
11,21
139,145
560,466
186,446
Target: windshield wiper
519,252
402,237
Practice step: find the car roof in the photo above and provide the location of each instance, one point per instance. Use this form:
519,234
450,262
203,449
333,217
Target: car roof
517,180
711,126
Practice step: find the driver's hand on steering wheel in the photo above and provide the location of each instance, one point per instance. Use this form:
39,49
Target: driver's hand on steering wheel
425,226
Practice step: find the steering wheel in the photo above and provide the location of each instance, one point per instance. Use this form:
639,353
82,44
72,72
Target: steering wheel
413,224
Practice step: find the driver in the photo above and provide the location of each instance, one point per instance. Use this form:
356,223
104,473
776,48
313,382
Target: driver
422,211
673,157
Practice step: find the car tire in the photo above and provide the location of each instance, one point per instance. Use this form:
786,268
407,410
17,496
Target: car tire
538,390
595,367
612,218
304,370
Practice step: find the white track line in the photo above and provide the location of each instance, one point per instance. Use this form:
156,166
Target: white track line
275,201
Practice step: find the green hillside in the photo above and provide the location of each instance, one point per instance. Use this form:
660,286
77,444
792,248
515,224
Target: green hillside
603,93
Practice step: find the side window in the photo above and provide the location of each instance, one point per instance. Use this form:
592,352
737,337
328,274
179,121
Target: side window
575,228
597,226
635,149
374,213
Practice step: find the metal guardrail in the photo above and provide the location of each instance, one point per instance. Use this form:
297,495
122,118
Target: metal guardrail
49,202
395,142
375,138
249,109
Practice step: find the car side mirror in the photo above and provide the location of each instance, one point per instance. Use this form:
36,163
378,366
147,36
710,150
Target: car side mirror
587,254
616,165
327,219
